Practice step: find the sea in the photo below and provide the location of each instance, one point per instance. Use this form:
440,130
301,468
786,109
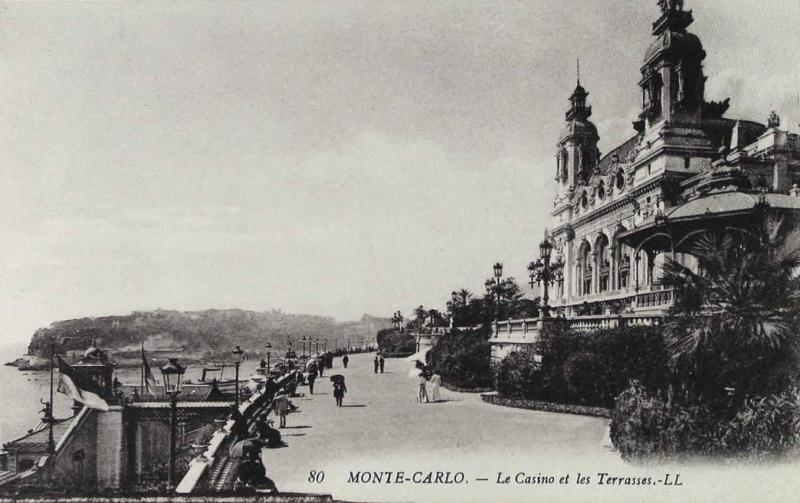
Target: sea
22,392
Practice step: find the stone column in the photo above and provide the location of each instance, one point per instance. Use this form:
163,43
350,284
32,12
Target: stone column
569,271
612,269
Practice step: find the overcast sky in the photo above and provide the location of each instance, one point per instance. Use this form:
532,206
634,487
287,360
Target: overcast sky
334,158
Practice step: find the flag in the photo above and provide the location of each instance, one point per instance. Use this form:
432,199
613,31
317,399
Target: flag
147,375
79,388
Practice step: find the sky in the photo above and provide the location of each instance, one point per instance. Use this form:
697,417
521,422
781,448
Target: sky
332,158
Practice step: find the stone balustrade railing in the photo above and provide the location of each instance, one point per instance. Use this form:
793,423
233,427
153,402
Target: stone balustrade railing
217,448
581,323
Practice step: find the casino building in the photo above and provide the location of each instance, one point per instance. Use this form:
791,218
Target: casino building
686,168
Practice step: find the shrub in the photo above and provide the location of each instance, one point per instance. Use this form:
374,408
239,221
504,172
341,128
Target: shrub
516,375
588,368
584,374
763,427
463,358
645,428
392,342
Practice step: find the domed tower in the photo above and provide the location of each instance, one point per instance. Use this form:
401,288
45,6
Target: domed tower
673,84
577,152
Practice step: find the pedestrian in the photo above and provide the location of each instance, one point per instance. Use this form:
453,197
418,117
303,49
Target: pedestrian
375,364
436,381
251,473
239,423
381,361
280,405
321,366
262,364
423,390
339,389
312,376
345,360
267,433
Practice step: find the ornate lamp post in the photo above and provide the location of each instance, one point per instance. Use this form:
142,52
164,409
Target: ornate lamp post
542,272
237,353
317,341
268,347
172,373
498,273
325,344
304,345
48,406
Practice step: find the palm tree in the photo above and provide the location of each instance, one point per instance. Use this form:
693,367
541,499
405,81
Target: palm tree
463,296
420,314
735,319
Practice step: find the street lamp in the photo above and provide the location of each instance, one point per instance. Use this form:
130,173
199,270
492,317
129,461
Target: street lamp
542,272
325,344
48,406
304,346
498,273
268,346
317,341
172,373
238,355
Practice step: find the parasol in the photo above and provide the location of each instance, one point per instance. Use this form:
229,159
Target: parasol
337,378
415,372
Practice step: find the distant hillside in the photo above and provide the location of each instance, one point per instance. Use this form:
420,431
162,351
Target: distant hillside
207,334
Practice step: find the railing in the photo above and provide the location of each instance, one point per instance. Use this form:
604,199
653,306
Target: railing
581,323
213,468
654,299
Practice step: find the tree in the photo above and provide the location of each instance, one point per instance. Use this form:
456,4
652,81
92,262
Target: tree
734,322
500,298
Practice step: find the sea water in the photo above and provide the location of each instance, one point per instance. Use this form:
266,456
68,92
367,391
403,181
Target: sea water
21,392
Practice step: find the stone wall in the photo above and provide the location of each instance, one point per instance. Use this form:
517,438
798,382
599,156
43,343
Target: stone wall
111,447
76,460
522,403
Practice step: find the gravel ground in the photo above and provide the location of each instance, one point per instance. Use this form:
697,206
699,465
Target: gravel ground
383,428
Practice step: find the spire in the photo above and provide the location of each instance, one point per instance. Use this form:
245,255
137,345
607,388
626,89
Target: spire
579,110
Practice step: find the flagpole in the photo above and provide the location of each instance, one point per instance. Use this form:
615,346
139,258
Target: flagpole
51,444
142,371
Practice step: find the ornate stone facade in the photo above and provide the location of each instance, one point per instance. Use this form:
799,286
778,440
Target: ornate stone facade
616,218
680,140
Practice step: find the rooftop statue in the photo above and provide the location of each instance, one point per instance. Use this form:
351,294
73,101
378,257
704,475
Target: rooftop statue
668,6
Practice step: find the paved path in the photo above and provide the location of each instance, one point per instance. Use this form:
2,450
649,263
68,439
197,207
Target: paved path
382,428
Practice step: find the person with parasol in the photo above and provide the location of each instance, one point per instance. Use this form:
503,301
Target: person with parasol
339,388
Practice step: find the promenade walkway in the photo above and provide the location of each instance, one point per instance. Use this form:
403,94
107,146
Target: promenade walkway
382,428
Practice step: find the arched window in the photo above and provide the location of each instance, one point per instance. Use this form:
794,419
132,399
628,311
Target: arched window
620,180
584,201
601,191
603,262
623,261
585,269
78,458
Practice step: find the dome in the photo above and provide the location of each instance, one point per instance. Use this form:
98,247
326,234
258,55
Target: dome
681,43
93,353
579,128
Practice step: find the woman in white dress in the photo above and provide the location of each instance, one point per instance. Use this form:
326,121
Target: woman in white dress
436,381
